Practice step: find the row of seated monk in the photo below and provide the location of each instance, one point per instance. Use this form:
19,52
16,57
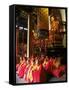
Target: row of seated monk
38,69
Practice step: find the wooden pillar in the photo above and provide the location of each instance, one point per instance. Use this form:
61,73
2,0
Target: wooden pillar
28,35
17,42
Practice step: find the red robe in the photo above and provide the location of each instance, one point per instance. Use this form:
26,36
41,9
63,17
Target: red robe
17,66
36,75
48,66
43,74
26,72
58,72
29,74
21,71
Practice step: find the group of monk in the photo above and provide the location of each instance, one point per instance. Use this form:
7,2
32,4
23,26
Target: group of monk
36,68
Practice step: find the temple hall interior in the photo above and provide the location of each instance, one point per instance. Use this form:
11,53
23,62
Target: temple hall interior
41,44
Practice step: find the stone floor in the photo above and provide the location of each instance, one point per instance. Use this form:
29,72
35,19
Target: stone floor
53,79
20,80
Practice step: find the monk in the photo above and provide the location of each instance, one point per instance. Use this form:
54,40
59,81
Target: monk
59,69
36,71
22,68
